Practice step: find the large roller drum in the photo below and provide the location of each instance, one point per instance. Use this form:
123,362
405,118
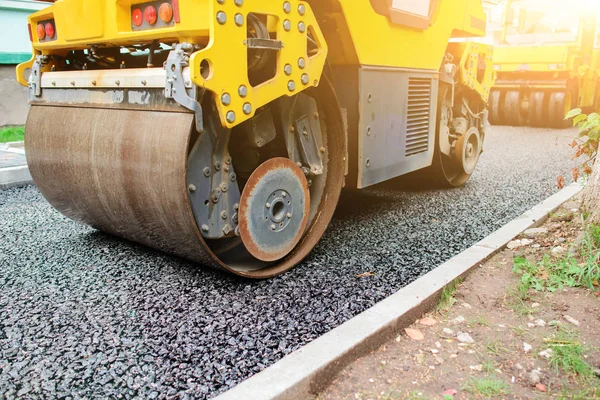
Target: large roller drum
125,172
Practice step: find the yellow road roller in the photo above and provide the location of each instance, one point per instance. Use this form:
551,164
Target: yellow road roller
223,131
546,62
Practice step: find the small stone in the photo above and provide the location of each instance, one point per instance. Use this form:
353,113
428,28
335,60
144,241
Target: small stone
597,372
571,320
535,305
420,358
540,322
464,337
519,366
431,367
427,321
467,306
547,354
371,380
534,232
526,242
541,387
514,244
434,351
414,334
530,325
453,355
438,345
534,377
477,367
447,332
536,246
438,360
558,250
388,381
527,347
383,362
458,320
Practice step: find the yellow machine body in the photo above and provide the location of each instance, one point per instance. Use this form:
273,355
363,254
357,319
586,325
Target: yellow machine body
541,77
354,92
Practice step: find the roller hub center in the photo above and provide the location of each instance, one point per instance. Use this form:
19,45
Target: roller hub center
274,209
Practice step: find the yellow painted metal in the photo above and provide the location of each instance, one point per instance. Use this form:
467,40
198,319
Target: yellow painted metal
547,58
475,57
226,56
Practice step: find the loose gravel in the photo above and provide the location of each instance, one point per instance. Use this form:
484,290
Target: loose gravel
83,314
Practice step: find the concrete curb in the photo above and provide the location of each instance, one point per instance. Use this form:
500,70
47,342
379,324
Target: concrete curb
15,177
311,368
13,147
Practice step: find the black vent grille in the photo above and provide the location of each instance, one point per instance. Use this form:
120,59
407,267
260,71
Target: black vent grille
418,117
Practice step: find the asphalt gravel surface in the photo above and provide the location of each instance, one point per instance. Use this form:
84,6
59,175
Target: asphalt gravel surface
85,315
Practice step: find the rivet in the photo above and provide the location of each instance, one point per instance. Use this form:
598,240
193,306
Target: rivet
287,7
273,227
221,17
287,25
301,9
304,79
247,108
301,27
291,86
231,117
236,206
301,63
226,99
287,69
268,205
205,228
192,188
224,187
288,215
239,3
206,172
283,194
239,19
232,177
243,91
224,214
218,165
221,1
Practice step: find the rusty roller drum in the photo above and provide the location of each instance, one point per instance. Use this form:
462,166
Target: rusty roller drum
124,172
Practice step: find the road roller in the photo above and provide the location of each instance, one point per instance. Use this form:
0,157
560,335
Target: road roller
547,61
223,131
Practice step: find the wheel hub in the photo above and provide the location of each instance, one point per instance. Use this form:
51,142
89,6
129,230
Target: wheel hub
467,150
274,209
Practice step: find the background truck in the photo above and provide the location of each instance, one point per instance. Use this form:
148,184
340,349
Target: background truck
546,60
223,131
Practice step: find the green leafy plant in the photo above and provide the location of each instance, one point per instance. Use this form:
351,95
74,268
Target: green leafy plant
12,134
489,387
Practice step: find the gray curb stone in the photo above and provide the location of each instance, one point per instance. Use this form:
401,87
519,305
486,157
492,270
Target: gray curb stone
15,177
312,368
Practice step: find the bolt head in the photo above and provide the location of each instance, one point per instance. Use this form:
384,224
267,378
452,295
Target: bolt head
205,228
283,194
273,227
221,1
287,69
243,91
224,214
226,99
221,17
305,79
301,63
206,172
287,7
288,215
238,3
230,117
301,27
268,205
239,19
247,108
287,25
302,9
291,86
192,188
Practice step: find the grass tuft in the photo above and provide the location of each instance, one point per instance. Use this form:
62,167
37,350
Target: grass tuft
490,387
12,134
447,299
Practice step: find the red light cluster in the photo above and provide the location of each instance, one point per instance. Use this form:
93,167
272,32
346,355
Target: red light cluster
46,30
151,15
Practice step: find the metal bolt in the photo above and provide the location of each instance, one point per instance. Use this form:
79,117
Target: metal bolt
231,117
301,63
268,205
206,172
243,91
301,27
218,165
273,227
301,9
224,214
291,86
247,108
287,7
226,99
227,229
316,115
232,177
322,149
239,3
221,17
224,187
304,79
283,194
236,206
305,132
287,69
234,218
192,188
239,19
205,228
287,25
288,215
221,1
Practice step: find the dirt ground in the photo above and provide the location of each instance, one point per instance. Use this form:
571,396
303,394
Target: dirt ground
488,339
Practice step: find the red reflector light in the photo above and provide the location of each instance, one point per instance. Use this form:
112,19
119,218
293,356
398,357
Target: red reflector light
30,34
166,12
50,29
150,15
136,17
41,31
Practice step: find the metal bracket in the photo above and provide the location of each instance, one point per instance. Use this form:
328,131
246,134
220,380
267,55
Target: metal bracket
175,85
35,86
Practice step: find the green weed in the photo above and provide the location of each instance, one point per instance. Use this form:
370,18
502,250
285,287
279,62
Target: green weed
447,299
490,387
12,134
